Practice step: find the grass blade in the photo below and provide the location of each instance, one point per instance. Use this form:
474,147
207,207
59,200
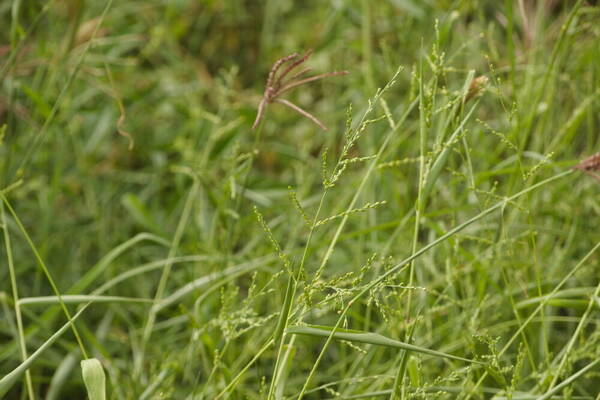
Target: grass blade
568,381
12,377
77,299
370,338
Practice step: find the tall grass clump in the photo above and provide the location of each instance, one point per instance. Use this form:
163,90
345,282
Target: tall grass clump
416,219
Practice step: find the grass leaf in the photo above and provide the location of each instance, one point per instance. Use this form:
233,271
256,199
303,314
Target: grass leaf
94,379
12,377
370,338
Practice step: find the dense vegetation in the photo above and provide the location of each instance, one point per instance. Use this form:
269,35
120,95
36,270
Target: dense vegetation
433,242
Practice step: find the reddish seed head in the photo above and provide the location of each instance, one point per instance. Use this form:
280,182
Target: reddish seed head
277,85
590,166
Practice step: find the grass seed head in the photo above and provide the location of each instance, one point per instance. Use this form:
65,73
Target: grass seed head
277,85
591,163
590,166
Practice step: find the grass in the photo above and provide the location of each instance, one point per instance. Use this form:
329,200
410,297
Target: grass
434,242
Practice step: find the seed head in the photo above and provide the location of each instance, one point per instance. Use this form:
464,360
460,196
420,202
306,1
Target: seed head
277,85
590,166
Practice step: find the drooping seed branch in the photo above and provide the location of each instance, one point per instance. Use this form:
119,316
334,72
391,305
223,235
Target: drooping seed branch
277,85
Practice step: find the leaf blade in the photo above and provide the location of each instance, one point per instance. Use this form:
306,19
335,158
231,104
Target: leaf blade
371,338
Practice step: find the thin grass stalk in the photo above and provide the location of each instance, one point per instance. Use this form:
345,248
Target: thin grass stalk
15,293
331,246
571,343
41,135
282,324
46,273
525,132
419,202
8,380
183,220
542,304
568,381
424,249
94,272
398,387
237,378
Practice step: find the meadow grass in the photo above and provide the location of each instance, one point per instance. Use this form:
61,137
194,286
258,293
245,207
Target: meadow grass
422,227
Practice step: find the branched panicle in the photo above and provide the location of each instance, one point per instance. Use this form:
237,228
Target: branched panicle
491,194
534,170
299,207
494,363
235,317
364,208
352,134
277,85
503,137
414,84
517,370
355,160
341,288
355,347
348,120
280,253
324,170
397,163
339,169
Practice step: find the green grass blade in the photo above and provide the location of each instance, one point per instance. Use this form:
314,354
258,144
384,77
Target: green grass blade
442,159
231,272
93,273
80,298
371,338
94,379
568,381
12,377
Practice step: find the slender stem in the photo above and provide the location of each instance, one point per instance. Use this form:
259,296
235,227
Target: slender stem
15,293
419,203
47,273
37,140
568,381
423,250
187,208
571,343
542,304
289,302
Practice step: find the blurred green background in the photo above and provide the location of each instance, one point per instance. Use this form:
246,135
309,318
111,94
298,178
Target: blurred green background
181,82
